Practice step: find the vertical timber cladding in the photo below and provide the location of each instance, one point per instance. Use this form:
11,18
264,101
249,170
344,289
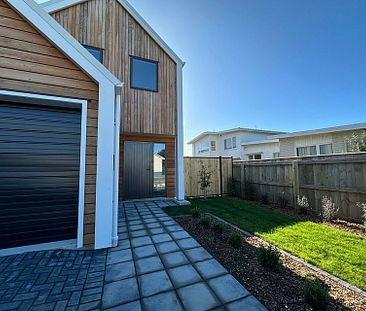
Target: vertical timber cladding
30,63
107,25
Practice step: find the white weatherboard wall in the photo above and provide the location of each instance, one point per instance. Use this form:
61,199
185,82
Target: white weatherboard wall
266,150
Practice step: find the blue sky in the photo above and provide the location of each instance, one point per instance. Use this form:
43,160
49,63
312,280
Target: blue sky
283,65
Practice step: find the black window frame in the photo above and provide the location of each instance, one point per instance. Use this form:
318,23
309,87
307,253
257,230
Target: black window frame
95,49
132,57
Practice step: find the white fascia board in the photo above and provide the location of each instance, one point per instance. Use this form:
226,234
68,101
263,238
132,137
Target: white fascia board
260,142
334,129
52,30
56,5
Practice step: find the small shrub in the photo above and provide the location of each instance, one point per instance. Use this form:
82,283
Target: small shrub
329,210
196,212
316,294
235,240
218,227
362,206
282,200
250,192
204,179
205,221
264,199
269,257
303,203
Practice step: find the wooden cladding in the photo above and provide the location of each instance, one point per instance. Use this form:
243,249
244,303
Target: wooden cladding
170,159
30,63
107,25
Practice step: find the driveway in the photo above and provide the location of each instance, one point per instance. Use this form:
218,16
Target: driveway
157,266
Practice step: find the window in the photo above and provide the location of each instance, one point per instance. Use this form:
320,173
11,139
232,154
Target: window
96,52
256,156
276,154
159,172
213,145
230,143
144,74
305,151
326,149
203,147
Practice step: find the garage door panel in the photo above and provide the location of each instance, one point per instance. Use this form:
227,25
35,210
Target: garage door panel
39,174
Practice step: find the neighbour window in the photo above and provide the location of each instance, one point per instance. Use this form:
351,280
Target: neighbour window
96,52
213,145
230,143
203,147
305,151
326,149
276,154
144,74
256,156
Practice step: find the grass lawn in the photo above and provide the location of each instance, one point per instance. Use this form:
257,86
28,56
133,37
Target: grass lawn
340,253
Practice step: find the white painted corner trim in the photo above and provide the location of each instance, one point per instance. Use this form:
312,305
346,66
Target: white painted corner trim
61,102
180,135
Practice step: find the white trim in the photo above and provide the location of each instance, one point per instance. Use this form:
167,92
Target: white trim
180,135
58,101
56,5
260,142
66,244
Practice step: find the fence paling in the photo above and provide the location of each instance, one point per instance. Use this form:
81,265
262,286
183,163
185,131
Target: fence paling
221,169
343,178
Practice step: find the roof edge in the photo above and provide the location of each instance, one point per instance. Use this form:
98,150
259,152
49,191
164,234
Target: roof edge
260,142
54,32
57,5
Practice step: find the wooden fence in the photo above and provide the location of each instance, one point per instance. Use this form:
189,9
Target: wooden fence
221,169
341,177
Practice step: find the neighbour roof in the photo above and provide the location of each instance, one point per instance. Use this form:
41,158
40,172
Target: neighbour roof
261,142
238,129
57,5
54,32
341,128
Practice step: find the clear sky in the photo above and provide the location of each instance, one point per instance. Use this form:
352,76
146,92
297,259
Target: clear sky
272,64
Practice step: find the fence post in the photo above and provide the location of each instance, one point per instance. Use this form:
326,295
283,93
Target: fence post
295,182
242,180
220,172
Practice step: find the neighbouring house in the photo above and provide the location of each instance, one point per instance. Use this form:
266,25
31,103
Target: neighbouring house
226,143
89,96
305,143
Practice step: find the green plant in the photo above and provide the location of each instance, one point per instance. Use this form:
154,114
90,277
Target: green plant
235,240
269,257
250,193
303,203
264,199
218,227
205,221
282,200
196,212
362,206
357,142
204,179
329,209
316,294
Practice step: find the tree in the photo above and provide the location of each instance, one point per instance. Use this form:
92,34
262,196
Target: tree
204,179
357,141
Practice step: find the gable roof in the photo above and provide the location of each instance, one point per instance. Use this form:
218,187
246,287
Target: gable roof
238,129
333,129
57,5
66,43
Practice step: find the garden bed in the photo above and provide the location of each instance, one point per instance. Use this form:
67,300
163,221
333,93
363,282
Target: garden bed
280,289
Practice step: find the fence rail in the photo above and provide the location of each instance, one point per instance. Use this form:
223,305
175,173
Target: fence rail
341,177
221,169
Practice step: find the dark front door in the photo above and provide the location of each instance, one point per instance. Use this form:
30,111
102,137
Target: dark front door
39,174
138,170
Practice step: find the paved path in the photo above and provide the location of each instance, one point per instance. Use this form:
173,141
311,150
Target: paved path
157,266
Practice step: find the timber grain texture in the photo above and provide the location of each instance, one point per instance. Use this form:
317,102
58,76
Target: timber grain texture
107,25
30,63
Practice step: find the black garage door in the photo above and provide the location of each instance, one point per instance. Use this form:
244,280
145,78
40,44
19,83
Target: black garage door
39,174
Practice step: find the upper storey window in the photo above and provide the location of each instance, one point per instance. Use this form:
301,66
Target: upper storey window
144,74
96,52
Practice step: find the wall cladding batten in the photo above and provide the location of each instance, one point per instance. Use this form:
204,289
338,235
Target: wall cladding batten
30,63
